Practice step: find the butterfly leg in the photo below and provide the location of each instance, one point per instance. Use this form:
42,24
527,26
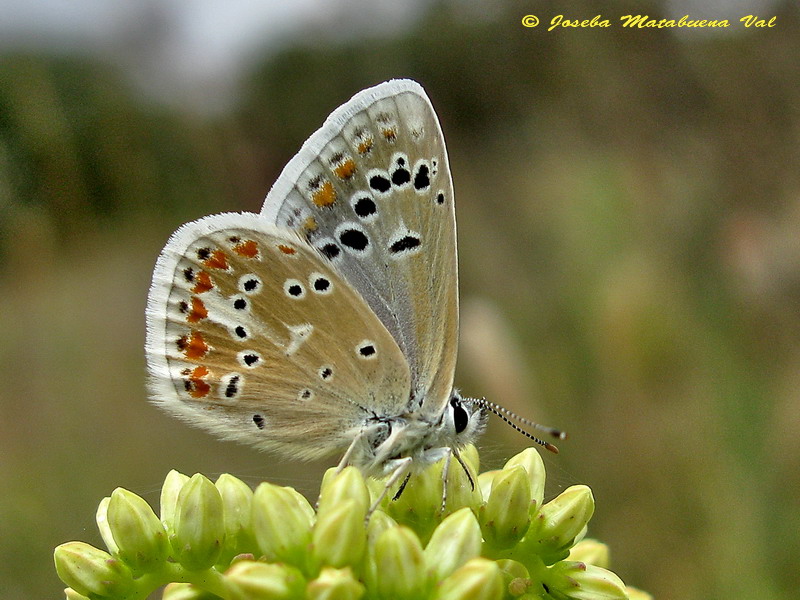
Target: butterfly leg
445,474
403,467
464,466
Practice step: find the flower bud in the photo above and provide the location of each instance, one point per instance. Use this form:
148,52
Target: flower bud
70,594
506,514
580,581
335,584
137,532
399,564
478,579
534,467
248,580
185,591
169,498
348,484
559,522
456,540
485,480
281,521
199,524
340,536
101,518
92,572
237,499
591,552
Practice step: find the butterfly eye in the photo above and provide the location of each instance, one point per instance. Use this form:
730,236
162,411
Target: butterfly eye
460,416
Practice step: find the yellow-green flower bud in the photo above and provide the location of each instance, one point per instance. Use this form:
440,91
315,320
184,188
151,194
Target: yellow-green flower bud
237,500
559,522
579,581
186,591
101,518
348,484
399,564
456,540
506,515
534,467
485,480
591,552
199,524
340,536
92,572
281,521
70,594
379,522
137,532
478,579
169,498
335,584
250,580
419,506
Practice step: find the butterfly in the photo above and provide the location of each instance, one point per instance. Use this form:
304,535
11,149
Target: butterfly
328,322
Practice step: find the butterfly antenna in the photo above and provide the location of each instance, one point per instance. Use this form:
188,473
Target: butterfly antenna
507,416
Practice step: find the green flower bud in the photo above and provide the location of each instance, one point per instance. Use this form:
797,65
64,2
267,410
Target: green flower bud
137,532
71,594
506,514
462,489
335,584
92,572
348,484
199,524
485,480
378,523
478,579
456,540
591,552
186,591
579,581
250,580
559,522
399,564
281,521
340,537
419,507
101,518
169,498
534,467
237,500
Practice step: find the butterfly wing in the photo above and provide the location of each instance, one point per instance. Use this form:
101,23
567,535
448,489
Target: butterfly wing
254,336
371,191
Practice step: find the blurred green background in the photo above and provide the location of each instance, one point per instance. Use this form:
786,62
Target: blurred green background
629,242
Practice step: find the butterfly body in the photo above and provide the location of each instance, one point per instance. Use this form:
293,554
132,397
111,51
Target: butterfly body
328,322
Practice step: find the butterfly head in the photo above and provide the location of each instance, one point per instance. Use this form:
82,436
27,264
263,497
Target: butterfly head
463,420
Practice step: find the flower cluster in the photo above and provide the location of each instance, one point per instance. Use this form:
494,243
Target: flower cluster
496,539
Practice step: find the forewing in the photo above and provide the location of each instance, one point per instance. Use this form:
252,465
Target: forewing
252,335
371,191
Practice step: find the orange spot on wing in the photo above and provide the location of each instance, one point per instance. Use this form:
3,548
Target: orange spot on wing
324,195
199,310
390,133
248,249
365,145
217,260
193,346
202,283
346,169
286,249
197,387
